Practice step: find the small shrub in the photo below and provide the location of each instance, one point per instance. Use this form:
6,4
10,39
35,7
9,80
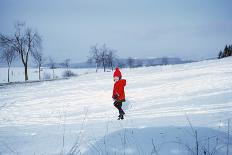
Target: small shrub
68,73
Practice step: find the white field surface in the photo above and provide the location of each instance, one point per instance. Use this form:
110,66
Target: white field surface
76,116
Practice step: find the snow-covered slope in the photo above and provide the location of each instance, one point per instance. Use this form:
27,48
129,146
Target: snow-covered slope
77,115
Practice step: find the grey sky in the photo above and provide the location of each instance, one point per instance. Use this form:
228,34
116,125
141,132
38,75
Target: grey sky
140,28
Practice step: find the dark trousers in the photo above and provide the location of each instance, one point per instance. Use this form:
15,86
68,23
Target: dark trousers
118,105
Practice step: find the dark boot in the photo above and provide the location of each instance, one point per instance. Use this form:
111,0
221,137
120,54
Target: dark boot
121,116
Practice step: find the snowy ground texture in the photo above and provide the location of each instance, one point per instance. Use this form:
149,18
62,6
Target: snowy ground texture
77,116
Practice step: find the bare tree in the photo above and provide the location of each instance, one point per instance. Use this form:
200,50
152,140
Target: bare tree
8,55
103,55
24,42
66,64
52,65
111,58
130,62
95,56
67,72
38,59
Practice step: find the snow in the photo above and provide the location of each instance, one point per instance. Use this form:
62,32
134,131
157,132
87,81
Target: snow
76,116
17,73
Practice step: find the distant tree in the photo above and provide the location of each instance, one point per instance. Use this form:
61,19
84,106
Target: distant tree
226,52
130,62
230,50
8,55
67,72
24,42
38,60
95,56
103,56
66,64
220,54
111,58
52,66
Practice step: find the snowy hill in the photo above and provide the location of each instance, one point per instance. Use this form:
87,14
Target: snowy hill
77,116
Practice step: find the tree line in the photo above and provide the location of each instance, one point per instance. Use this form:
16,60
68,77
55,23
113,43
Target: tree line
105,57
22,44
226,52
102,56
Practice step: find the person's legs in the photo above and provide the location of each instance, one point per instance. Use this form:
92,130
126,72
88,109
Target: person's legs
118,105
120,108
121,112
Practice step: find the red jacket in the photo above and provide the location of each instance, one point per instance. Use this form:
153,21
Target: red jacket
118,91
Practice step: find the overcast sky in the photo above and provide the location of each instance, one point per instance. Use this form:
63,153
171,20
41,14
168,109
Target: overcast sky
190,29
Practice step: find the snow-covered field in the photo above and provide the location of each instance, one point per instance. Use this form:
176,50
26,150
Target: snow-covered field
17,73
76,116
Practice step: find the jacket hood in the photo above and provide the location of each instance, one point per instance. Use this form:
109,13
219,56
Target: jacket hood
123,81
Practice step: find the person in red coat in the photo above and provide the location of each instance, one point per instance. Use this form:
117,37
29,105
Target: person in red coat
118,92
